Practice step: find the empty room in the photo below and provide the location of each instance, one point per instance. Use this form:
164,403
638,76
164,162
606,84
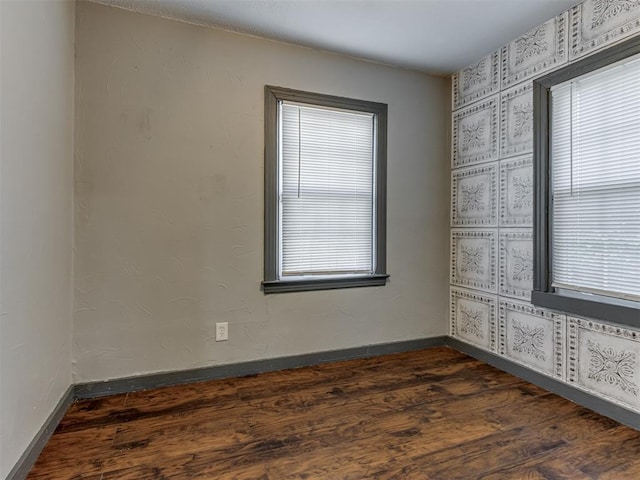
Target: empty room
319,239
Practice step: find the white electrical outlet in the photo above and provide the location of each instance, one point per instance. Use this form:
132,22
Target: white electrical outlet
222,331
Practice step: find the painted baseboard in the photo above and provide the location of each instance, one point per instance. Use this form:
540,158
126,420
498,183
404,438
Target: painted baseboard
157,380
597,404
30,455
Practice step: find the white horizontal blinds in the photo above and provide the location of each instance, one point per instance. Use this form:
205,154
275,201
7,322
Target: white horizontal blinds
595,158
326,191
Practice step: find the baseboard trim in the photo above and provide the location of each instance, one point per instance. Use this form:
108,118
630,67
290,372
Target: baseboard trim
30,455
157,380
604,407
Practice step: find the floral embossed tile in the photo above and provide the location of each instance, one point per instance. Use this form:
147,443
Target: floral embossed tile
516,121
598,23
605,359
474,196
516,263
473,259
475,133
516,191
473,317
476,81
539,50
532,336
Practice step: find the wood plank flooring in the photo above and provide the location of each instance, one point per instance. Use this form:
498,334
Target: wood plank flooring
431,414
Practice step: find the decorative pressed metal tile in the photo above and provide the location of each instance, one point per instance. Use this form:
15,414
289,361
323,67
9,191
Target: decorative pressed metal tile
537,51
473,318
516,191
599,358
474,196
533,337
476,81
475,133
516,120
598,23
605,359
473,259
516,263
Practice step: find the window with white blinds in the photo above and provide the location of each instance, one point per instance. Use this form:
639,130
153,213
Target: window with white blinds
327,191
595,182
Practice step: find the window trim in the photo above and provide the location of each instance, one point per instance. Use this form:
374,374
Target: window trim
271,283
543,294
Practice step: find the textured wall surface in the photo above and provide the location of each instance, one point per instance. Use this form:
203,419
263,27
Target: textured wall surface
169,200
492,204
36,150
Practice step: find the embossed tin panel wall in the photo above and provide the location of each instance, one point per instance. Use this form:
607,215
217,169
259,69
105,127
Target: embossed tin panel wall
538,51
477,81
598,23
516,136
473,318
473,259
491,220
604,359
516,192
533,336
475,133
473,196
516,263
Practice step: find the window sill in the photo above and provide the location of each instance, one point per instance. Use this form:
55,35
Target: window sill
283,286
588,306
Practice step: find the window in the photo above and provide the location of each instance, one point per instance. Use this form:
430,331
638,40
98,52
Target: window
325,192
587,170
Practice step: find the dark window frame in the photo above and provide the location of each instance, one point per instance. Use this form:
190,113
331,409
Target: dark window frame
271,283
588,305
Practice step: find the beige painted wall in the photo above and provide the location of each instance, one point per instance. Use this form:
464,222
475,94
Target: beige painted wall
169,188
36,149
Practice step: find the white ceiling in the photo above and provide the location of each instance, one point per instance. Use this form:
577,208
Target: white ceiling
434,36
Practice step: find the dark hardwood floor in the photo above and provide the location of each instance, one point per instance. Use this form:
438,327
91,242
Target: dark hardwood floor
431,414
